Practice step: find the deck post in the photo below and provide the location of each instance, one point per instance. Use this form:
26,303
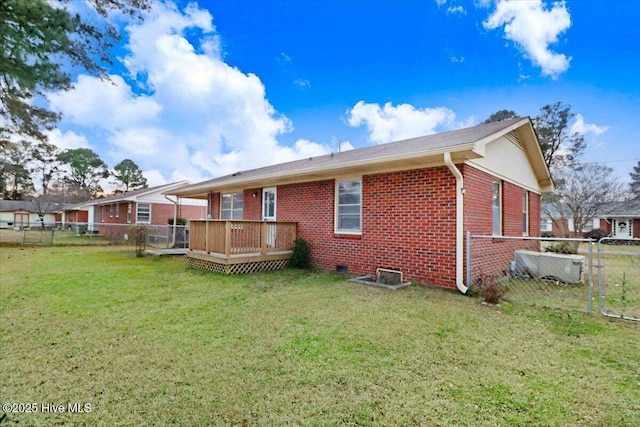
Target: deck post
206,237
263,238
227,238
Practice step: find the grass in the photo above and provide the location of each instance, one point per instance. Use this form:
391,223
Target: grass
146,341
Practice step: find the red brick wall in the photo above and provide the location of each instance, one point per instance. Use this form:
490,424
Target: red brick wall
492,256
408,224
408,219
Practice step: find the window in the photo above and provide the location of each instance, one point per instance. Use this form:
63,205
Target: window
349,206
110,211
143,213
525,213
102,212
118,211
546,225
129,213
497,208
232,205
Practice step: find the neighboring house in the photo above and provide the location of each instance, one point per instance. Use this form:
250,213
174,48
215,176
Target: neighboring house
621,221
113,215
24,214
404,205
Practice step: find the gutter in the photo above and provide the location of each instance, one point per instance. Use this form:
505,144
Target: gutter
459,222
175,219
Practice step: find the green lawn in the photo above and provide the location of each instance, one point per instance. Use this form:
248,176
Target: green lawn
146,341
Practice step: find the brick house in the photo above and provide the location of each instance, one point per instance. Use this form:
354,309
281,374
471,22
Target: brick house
404,205
112,215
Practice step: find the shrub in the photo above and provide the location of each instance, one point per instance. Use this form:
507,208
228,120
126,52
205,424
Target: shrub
564,247
547,234
179,221
595,234
489,286
301,254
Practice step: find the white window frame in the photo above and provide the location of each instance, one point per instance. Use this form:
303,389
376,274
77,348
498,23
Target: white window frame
117,210
274,190
110,211
337,208
129,212
497,196
138,221
233,210
525,213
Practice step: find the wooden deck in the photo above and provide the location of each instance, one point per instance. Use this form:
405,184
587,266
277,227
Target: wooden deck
232,247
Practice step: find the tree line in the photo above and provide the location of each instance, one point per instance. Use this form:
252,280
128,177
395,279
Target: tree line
67,176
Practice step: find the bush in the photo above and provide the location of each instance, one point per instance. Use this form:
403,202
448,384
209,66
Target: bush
595,234
547,234
489,286
179,221
563,247
301,254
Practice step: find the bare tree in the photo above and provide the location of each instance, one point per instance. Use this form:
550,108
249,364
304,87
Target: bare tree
582,193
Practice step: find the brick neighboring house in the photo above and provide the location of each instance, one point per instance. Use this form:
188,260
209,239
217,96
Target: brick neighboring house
111,215
404,205
619,220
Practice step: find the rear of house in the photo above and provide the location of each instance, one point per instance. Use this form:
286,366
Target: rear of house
402,206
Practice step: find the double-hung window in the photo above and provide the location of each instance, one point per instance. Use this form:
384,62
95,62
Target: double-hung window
525,213
497,208
232,205
349,206
143,213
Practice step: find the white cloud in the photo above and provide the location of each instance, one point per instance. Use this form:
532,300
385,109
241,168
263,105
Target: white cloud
394,123
197,117
100,103
579,126
533,28
456,9
67,140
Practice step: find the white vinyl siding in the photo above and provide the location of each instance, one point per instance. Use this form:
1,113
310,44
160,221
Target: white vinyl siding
349,206
232,206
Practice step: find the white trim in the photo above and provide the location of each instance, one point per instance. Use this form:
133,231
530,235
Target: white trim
275,203
335,207
525,210
138,213
500,206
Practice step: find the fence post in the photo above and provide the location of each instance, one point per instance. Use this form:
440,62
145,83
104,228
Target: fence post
590,278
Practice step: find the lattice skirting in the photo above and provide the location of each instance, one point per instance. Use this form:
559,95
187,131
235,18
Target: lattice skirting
248,267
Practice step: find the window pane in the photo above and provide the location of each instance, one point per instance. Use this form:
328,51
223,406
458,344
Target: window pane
349,206
497,214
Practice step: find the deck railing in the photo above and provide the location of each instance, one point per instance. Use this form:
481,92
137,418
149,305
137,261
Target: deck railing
241,237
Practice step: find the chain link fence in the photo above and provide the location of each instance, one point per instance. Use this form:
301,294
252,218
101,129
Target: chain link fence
534,271
156,236
567,274
618,278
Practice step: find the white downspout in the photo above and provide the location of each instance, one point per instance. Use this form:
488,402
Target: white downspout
175,219
459,222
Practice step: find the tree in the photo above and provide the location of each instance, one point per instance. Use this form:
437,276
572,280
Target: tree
86,169
560,148
582,192
634,185
45,164
501,115
129,174
41,43
15,180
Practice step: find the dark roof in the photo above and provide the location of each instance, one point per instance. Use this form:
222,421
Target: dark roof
452,141
628,208
129,194
27,206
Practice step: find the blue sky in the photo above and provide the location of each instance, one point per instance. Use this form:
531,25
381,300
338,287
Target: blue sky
202,89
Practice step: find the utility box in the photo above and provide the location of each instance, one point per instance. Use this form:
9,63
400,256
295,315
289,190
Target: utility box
549,266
